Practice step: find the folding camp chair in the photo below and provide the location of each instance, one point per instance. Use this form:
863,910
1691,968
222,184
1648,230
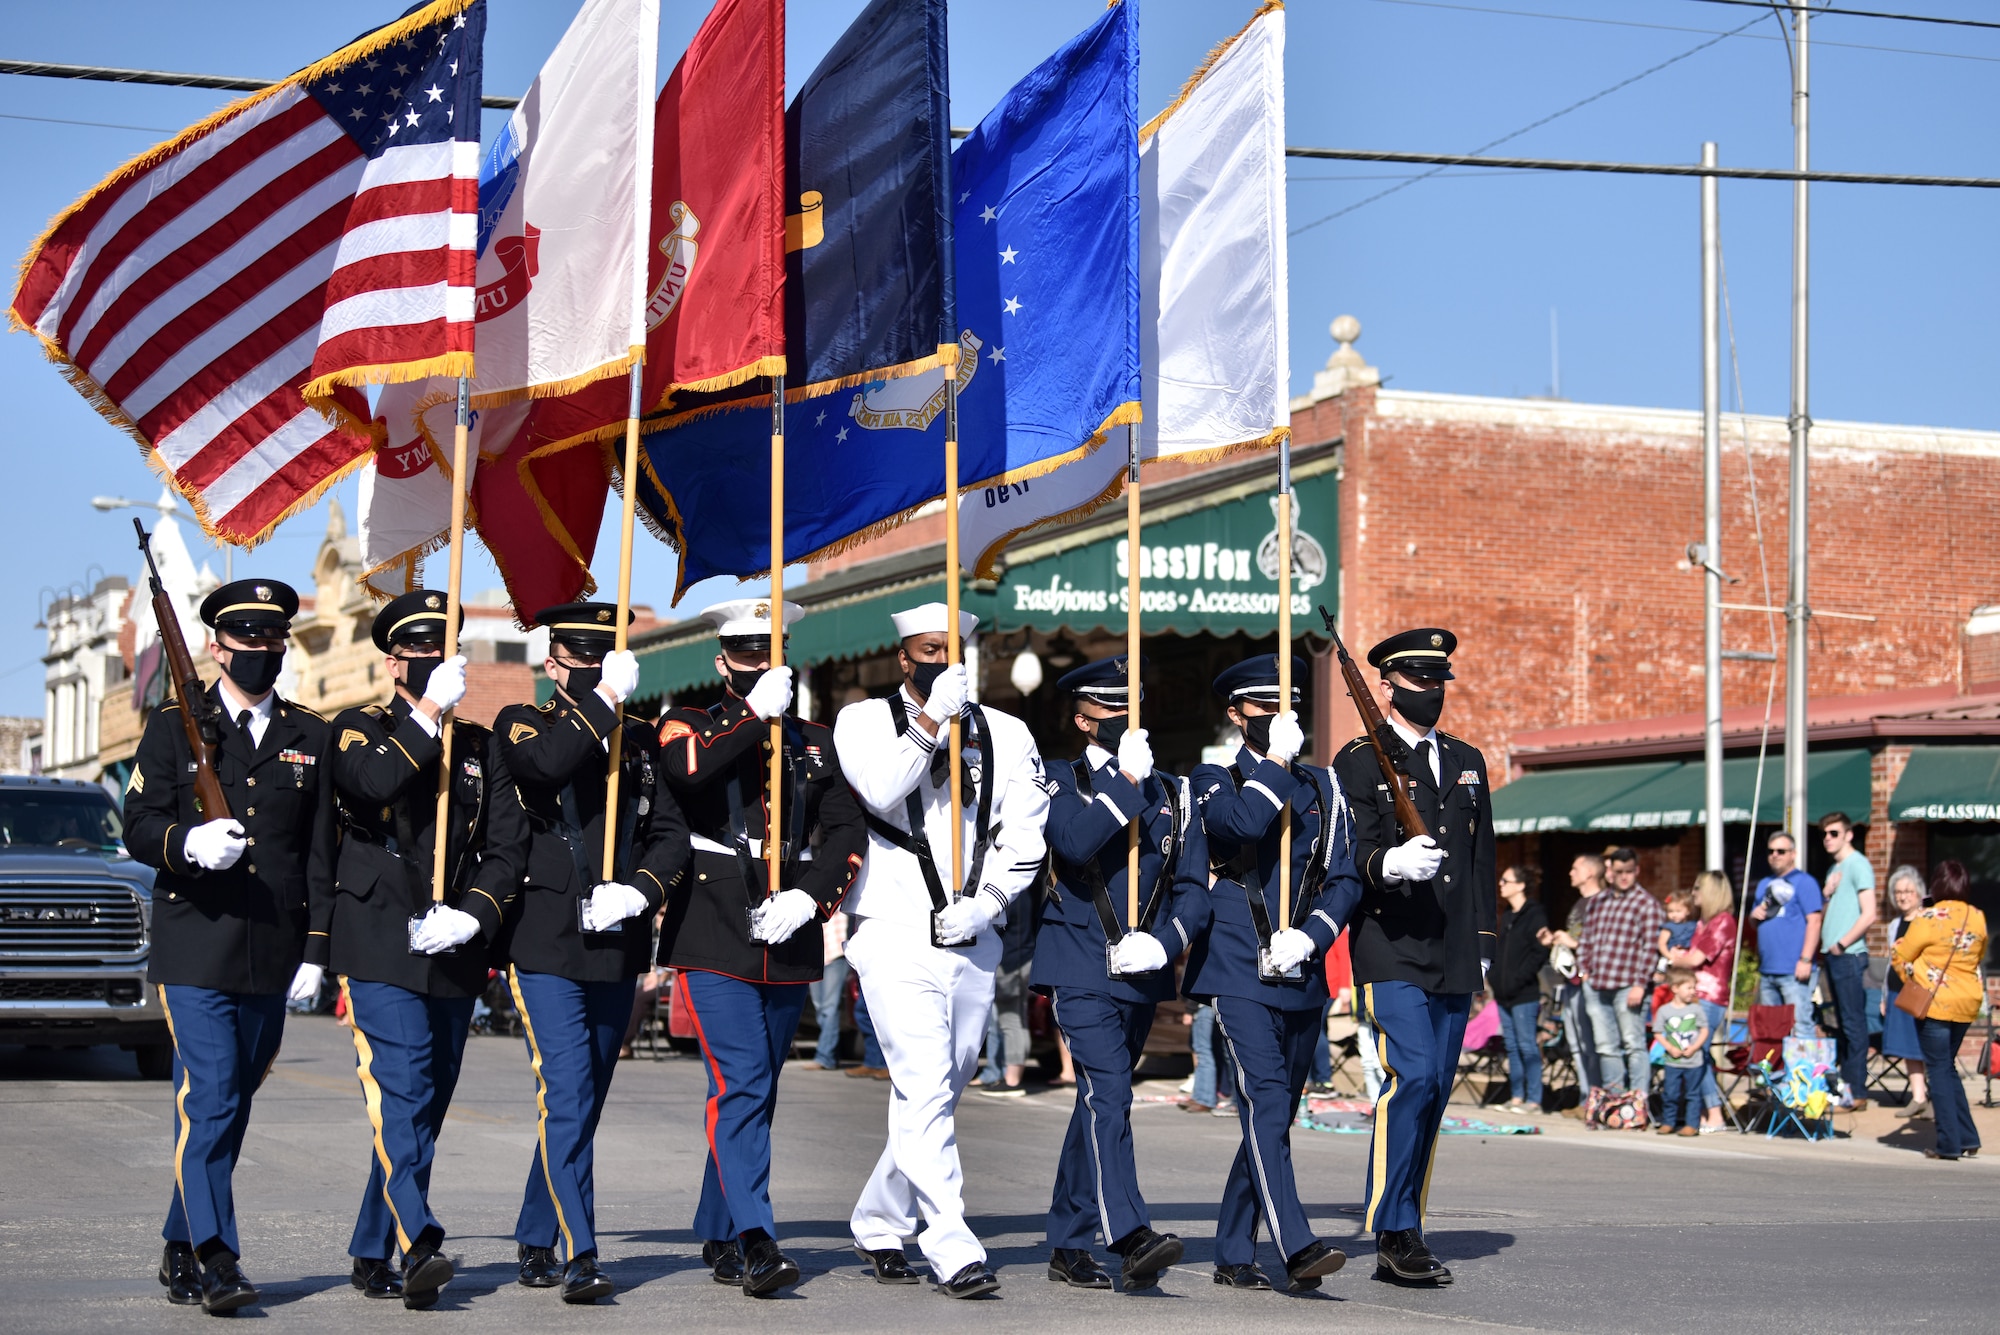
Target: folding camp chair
1797,1085
1486,1062
1767,1028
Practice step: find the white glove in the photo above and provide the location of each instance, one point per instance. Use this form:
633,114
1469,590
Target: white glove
443,928
620,676
948,695
1290,947
610,904
305,984
1287,739
215,845
963,919
447,684
772,695
1417,860
782,914
1135,754
1139,952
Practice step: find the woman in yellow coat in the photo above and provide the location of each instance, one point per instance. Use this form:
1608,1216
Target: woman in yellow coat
1940,949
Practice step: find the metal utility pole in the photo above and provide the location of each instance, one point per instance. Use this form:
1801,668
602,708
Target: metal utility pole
1711,504
1798,612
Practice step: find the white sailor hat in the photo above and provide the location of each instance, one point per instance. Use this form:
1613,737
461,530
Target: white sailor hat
931,619
748,619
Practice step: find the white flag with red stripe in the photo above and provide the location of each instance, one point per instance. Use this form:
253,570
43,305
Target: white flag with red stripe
222,296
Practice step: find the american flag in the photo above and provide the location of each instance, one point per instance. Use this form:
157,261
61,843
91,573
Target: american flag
222,296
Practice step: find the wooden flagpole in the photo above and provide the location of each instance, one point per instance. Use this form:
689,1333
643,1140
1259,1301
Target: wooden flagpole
774,828
1132,673
631,498
441,830
952,654
1285,665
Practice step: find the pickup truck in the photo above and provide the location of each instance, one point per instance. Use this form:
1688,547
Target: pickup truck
75,923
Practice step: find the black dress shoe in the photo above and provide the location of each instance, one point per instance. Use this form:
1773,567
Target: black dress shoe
224,1286
1402,1257
970,1282
181,1274
376,1278
725,1259
1146,1254
539,1268
1242,1277
1305,1268
891,1266
1077,1268
425,1273
766,1269
583,1282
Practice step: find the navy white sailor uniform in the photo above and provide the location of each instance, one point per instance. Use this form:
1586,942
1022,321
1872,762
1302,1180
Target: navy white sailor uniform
225,944
411,1013
1268,1026
1104,1018
744,996
574,989
1417,949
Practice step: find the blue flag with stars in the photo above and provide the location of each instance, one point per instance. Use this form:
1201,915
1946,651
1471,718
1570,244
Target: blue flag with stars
1046,246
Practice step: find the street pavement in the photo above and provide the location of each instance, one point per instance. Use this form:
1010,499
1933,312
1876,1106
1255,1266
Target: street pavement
1565,1231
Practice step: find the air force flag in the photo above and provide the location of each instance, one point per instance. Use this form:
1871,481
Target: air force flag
1046,213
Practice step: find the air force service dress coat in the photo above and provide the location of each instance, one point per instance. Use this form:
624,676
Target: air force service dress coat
385,770
242,929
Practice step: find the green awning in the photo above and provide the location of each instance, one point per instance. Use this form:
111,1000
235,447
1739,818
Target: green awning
1949,783
1562,799
828,633
1670,794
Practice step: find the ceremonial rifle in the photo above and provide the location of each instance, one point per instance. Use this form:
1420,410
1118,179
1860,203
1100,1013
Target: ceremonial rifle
1380,736
199,714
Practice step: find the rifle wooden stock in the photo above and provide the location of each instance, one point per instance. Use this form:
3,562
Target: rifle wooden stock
1379,734
196,719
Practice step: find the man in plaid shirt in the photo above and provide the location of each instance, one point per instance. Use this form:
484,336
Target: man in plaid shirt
1615,965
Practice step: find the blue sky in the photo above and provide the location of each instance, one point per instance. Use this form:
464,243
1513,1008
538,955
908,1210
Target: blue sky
1453,278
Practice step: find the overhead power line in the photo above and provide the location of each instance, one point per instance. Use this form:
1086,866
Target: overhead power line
170,79
1864,14
1641,168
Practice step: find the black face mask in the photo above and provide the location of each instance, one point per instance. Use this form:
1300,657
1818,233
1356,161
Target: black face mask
1110,730
255,671
923,676
1257,730
417,674
582,681
741,680
1422,708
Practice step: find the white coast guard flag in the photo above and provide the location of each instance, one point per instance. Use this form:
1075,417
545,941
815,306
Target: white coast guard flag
562,277
1215,358
405,510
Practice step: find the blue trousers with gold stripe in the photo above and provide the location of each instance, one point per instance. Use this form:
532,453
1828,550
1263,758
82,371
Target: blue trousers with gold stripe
574,1031
407,1051
1097,1175
224,1044
745,1030
1418,1035
1270,1052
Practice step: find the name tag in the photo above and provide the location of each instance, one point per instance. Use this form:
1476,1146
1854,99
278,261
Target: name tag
1468,776
296,758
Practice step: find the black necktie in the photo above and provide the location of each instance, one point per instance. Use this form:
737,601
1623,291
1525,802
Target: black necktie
1424,760
243,726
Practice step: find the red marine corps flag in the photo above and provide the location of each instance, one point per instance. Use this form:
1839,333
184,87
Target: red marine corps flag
222,296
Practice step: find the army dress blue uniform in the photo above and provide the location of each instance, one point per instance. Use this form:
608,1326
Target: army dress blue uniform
1105,1018
745,993
1420,947
410,1012
228,941
1269,1026
574,988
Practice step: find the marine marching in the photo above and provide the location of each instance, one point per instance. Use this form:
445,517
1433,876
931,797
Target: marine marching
625,257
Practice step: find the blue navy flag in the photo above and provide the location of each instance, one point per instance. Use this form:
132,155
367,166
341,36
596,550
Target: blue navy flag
1045,196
